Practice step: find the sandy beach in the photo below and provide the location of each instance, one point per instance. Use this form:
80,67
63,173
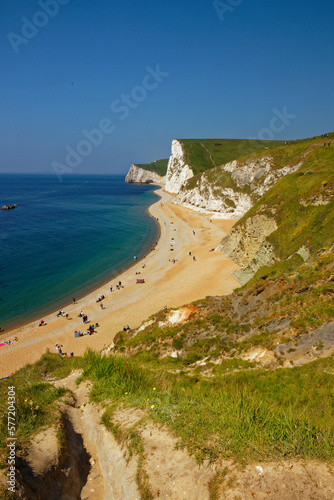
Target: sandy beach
166,284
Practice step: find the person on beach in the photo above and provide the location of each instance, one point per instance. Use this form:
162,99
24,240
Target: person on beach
73,300
58,347
101,306
111,288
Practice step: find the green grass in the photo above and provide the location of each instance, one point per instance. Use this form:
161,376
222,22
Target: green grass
147,336
35,398
246,415
280,156
159,166
204,154
291,201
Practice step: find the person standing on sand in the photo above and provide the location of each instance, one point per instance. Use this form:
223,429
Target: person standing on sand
73,300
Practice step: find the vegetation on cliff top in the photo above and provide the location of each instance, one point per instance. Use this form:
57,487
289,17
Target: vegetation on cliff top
159,166
278,155
205,154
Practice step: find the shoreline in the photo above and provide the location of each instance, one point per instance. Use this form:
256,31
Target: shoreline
85,290
134,303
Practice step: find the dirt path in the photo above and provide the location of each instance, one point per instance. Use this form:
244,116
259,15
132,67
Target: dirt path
171,473
110,476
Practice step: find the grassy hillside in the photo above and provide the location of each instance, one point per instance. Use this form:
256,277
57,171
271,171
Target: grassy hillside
301,203
35,399
220,404
159,166
204,154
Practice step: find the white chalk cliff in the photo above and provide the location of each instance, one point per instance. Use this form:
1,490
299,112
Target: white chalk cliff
138,175
228,190
178,172
231,189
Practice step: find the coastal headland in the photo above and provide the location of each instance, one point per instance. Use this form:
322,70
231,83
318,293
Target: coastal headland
167,283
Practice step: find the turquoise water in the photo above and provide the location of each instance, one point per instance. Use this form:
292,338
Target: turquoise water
65,239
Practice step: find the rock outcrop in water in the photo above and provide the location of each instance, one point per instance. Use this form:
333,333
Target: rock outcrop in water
8,207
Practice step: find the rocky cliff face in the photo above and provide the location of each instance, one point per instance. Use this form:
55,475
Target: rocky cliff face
209,197
138,175
178,172
247,246
231,189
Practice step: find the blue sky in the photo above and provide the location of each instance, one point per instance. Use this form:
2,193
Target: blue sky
145,73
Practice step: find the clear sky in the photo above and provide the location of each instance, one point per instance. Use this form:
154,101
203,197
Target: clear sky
142,73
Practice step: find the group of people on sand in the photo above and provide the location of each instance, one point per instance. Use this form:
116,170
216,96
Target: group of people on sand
91,327
8,342
59,349
83,316
118,287
61,313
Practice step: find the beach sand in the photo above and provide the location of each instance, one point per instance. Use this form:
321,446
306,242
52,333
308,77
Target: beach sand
166,284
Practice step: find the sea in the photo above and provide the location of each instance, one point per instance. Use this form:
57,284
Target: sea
67,238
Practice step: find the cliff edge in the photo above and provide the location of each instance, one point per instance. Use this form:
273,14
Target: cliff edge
139,175
178,171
